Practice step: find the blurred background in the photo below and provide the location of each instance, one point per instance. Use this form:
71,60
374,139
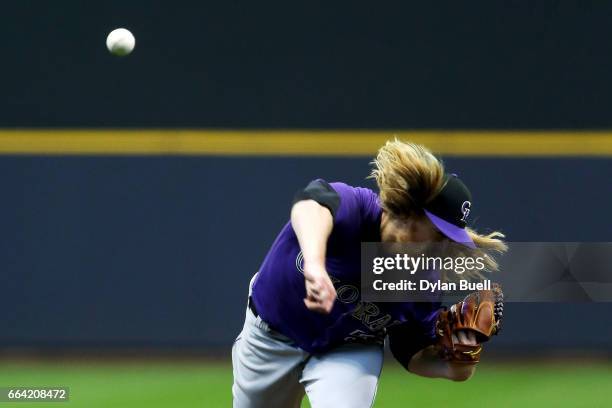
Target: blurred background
140,194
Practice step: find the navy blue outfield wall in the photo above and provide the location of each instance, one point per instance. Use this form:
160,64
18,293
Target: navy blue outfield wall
158,251
342,64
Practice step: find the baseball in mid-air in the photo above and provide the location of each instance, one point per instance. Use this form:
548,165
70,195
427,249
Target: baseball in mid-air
120,42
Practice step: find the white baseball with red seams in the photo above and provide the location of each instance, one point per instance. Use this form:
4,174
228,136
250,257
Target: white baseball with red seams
120,42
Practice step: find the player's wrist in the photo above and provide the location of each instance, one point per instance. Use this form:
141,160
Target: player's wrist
315,267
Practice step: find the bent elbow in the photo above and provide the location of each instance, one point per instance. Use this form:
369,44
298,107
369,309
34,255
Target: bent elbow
461,377
461,373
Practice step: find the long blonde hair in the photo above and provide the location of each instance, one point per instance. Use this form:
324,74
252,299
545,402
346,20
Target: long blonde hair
409,176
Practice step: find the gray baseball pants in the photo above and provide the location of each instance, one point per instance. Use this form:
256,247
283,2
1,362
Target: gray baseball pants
269,371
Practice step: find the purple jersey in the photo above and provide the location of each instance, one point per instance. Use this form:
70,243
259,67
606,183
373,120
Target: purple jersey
279,289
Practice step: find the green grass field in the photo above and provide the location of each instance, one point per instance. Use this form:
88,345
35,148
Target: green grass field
208,384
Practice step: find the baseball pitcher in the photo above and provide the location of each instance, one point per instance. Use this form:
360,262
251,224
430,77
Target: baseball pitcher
306,328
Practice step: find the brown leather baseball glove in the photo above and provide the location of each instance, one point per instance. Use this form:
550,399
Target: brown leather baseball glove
480,312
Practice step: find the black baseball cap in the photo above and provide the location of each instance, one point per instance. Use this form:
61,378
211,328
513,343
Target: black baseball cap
449,210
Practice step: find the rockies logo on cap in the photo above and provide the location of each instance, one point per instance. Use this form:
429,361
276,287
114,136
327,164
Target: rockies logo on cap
465,209
450,208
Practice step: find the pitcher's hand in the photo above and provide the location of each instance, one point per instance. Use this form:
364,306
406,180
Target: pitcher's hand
320,291
465,337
